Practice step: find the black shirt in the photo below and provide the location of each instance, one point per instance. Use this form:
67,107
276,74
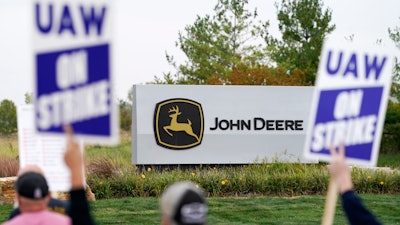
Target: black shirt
355,210
80,210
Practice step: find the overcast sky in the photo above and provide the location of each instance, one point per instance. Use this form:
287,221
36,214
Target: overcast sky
145,30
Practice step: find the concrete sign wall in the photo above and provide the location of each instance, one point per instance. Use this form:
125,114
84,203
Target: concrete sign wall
194,124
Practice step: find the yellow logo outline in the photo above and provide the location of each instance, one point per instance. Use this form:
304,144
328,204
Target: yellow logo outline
174,125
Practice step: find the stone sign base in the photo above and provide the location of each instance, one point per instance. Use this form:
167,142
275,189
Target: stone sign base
7,192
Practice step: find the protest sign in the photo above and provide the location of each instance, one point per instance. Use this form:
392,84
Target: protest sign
73,71
349,106
45,151
350,100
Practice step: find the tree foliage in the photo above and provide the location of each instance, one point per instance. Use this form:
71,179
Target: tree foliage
125,111
214,45
394,34
304,25
8,117
28,97
233,43
391,132
125,115
263,75
391,138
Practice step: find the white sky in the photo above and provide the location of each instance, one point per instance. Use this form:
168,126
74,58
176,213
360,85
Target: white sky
146,29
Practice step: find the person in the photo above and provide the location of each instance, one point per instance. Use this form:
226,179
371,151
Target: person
183,203
32,193
355,210
79,205
79,211
54,205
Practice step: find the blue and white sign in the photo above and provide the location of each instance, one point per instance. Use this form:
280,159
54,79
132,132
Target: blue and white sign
73,69
349,102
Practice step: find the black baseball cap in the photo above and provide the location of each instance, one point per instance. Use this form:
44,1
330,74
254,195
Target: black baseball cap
32,185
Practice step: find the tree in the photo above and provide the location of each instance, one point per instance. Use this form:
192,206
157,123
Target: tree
263,75
215,45
28,98
391,137
304,26
391,131
125,111
125,115
394,34
8,117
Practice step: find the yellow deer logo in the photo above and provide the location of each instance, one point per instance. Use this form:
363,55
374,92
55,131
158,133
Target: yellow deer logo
175,126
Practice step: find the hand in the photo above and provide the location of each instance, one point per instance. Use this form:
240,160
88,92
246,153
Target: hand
339,170
74,159
73,156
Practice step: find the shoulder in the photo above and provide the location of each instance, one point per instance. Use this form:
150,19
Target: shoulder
54,215
59,206
14,213
56,218
42,217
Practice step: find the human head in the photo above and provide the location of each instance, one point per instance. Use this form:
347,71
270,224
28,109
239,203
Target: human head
32,191
183,203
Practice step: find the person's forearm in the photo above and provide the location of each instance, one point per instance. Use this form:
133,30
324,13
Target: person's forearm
344,183
77,179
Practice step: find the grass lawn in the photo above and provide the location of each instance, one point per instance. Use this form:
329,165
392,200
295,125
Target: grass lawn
389,160
249,211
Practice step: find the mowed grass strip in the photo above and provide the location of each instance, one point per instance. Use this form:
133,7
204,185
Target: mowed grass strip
249,211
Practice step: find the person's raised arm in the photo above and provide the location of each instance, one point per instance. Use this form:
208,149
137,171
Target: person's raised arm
74,160
355,210
73,157
339,170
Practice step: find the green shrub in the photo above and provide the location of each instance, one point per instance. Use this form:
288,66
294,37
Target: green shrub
367,181
277,179
111,175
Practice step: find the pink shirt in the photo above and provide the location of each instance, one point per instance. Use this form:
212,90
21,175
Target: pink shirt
43,217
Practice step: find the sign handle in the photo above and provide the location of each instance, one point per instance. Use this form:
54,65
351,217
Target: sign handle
330,203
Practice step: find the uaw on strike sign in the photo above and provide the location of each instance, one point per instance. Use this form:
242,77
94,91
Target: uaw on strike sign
349,102
72,53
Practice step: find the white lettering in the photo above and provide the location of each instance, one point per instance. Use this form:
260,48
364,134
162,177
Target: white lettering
348,104
75,105
353,131
44,112
71,69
